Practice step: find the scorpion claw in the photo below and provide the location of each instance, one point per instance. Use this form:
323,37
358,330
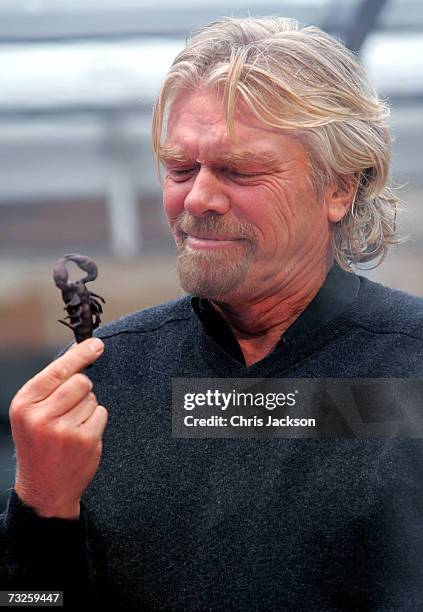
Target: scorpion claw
60,274
75,301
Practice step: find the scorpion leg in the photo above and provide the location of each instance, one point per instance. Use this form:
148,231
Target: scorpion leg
97,296
96,305
95,312
74,317
72,326
96,321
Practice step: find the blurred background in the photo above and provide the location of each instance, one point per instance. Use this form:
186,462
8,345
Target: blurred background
78,80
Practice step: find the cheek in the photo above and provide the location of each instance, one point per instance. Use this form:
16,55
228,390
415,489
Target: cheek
277,215
289,215
174,195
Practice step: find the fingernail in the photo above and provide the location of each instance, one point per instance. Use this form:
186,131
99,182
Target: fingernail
96,345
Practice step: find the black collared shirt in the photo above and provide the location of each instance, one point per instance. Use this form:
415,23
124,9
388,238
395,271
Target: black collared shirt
336,293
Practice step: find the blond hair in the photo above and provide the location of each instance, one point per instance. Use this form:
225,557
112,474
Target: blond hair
300,79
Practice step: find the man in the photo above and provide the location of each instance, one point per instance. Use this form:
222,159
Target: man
276,161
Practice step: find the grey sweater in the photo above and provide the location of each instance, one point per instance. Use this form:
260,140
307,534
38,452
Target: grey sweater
237,524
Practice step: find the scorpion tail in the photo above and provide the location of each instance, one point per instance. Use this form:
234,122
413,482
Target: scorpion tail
85,263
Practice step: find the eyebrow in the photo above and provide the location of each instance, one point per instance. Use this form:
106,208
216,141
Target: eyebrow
169,153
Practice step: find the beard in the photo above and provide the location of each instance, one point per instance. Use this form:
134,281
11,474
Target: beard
213,273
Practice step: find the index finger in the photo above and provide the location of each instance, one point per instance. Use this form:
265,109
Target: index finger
77,357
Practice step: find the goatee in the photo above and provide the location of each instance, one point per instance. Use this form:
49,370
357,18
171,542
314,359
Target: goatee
212,273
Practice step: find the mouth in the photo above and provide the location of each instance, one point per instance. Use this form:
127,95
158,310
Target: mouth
209,241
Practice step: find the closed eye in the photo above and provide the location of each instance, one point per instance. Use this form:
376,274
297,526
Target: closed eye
182,172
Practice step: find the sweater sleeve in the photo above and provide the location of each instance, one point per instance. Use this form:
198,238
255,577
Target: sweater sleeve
40,553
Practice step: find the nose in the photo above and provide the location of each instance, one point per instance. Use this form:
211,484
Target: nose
207,194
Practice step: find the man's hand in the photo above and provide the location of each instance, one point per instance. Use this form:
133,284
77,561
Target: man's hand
57,428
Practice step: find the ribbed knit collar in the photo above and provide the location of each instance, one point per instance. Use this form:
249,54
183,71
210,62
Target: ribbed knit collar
337,292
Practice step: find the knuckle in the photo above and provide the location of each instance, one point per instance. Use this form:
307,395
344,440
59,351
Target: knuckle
25,420
63,434
59,428
83,381
38,428
102,409
105,411
72,436
16,407
57,372
85,440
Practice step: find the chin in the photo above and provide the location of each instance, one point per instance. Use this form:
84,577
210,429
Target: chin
212,275
215,285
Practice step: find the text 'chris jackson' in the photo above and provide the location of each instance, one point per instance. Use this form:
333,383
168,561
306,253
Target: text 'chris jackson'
240,421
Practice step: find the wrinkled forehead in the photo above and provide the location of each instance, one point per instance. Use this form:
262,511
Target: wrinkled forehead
197,127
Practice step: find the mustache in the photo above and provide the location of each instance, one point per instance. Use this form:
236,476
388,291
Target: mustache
186,224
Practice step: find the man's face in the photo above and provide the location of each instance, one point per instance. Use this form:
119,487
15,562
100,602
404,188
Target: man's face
245,216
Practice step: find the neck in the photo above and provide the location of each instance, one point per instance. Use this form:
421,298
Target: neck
259,322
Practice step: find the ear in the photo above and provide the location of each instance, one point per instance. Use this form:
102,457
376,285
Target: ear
340,196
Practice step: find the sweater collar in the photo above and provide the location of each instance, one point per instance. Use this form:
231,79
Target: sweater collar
337,292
